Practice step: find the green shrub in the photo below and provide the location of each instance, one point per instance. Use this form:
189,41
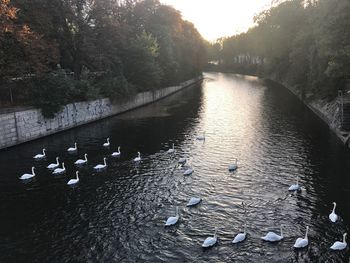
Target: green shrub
116,88
51,92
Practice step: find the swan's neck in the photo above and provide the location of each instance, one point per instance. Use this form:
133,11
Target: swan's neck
118,149
57,161
334,206
107,140
77,176
216,230
173,147
297,180
63,166
33,171
177,211
281,231
43,151
139,154
307,231
344,238
104,161
85,157
75,145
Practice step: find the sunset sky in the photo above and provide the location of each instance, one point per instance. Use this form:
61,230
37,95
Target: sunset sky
217,18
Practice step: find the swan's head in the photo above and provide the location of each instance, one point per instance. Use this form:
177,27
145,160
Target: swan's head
85,155
57,158
77,173
62,164
118,148
33,168
107,139
344,235
334,203
138,153
104,158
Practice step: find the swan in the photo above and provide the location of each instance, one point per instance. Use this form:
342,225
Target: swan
340,245
73,149
302,242
233,167
82,161
194,201
106,144
333,216
53,165
40,156
240,236
182,161
59,170
116,154
295,187
138,158
74,181
101,166
28,176
273,237
210,241
171,150
173,219
201,137
189,171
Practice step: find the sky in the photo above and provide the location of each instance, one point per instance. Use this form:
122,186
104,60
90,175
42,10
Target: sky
218,18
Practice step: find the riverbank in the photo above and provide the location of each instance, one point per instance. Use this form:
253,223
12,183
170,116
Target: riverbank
25,125
327,111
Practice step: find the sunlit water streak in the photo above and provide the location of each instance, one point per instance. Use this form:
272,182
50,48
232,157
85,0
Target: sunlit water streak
118,215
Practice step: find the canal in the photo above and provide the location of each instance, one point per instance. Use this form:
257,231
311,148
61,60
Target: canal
118,215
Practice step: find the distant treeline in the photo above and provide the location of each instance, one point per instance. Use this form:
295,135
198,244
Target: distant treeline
82,49
305,44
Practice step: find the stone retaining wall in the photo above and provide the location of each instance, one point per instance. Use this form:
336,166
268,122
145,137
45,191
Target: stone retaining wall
22,126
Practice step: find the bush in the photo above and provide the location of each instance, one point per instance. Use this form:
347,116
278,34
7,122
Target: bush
116,88
51,92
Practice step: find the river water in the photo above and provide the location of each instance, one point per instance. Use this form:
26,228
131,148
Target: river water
118,215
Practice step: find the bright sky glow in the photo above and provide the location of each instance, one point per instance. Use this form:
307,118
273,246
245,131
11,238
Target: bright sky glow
218,18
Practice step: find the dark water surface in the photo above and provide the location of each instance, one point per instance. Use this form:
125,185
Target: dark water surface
118,215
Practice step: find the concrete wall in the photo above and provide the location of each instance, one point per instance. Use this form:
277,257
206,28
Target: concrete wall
23,126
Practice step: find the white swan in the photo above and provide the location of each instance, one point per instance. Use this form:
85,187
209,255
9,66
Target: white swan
53,165
74,181
171,150
302,242
240,236
210,241
73,149
273,237
189,171
59,170
340,245
138,158
28,176
333,216
194,201
81,161
182,161
101,166
116,154
233,167
40,156
201,137
295,187
173,219
106,144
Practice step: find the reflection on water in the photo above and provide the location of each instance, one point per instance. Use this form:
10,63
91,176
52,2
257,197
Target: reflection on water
118,215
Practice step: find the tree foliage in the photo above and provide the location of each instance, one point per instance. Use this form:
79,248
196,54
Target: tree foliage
303,43
141,43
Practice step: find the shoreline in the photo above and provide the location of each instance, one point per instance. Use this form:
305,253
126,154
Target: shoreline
27,125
